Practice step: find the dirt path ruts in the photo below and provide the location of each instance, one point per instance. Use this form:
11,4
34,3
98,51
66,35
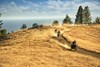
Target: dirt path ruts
80,50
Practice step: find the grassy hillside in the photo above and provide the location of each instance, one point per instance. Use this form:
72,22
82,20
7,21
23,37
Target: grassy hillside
87,37
37,48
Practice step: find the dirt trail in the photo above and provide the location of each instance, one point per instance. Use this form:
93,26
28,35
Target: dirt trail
65,44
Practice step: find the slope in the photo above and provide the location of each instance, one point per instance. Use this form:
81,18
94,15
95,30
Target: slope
37,48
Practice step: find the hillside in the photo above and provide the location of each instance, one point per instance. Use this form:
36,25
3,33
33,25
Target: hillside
37,47
87,37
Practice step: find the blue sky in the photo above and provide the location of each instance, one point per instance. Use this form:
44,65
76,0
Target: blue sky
50,9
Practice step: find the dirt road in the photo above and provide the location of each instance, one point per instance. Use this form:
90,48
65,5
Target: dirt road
65,44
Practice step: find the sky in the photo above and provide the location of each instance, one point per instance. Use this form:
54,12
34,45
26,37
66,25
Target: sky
46,9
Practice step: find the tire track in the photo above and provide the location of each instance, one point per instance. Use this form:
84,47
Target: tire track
65,44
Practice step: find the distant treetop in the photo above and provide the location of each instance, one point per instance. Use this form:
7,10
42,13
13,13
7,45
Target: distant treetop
23,26
67,20
55,23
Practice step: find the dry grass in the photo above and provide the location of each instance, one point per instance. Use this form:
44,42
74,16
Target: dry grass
87,37
36,48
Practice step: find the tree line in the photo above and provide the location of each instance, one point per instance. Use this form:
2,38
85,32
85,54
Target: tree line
35,25
83,16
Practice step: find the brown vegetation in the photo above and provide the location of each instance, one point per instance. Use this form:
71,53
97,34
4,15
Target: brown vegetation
37,48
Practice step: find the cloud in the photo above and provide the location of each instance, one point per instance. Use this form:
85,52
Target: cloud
50,8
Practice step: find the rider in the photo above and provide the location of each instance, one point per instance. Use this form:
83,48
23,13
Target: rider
58,34
74,45
55,31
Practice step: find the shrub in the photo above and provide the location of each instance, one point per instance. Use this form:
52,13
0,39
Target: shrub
23,26
3,32
55,23
35,25
41,25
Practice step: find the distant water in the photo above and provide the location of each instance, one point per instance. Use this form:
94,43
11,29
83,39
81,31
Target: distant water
14,25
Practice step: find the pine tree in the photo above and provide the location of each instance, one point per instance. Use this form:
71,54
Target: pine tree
86,16
79,16
97,20
67,20
2,31
0,22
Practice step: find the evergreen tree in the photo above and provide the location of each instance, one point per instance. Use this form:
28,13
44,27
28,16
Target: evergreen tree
67,20
79,16
0,22
97,20
55,23
2,31
23,26
86,16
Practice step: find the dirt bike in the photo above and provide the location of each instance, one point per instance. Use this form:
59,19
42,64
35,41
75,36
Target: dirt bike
73,46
